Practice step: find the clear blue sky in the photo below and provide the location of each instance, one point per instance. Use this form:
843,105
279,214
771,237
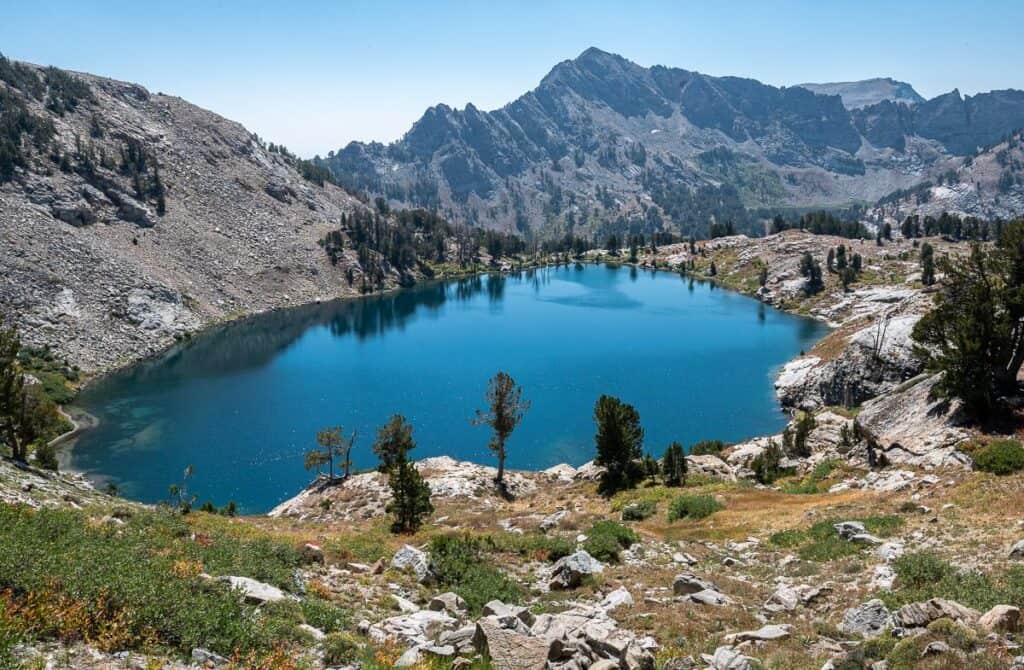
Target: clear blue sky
314,75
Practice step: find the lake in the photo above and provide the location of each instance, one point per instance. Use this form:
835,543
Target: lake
243,402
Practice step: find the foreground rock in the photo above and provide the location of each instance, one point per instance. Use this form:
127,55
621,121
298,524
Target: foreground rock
570,571
911,425
919,615
870,619
257,592
411,559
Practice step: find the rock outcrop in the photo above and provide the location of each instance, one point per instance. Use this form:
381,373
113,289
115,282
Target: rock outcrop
911,425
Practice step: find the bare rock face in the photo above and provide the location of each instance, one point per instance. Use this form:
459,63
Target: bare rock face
257,592
411,559
911,425
711,466
878,358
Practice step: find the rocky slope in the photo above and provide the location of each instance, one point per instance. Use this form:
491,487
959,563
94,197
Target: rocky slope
988,184
605,142
145,218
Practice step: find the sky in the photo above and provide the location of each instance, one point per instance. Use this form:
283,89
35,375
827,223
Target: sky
315,75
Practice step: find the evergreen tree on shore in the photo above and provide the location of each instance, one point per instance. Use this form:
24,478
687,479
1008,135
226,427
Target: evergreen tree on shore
410,495
673,465
506,409
619,438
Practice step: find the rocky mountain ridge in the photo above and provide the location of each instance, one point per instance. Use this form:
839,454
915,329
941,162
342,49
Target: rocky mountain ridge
605,143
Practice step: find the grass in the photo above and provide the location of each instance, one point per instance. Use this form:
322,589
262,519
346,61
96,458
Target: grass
138,586
55,376
821,543
693,507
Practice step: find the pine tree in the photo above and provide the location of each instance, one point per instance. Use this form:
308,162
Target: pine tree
766,465
974,335
810,269
410,497
619,439
673,465
927,264
506,410
26,414
651,468
394,441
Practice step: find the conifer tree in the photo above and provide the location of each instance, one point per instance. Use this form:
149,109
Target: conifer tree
673,465
506,409
410,494
619,438
927,264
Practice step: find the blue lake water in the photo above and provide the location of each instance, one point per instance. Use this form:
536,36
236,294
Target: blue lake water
243,402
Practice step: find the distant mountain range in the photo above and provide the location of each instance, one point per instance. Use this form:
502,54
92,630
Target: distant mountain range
605,143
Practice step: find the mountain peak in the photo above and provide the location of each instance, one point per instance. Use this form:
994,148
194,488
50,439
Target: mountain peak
595,54
867,92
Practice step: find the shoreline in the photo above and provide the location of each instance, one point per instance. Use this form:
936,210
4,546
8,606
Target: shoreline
83,421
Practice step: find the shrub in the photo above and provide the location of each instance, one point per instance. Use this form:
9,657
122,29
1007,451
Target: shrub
1000,457
921,569
606,539
639,511
460,563
339,649
693,507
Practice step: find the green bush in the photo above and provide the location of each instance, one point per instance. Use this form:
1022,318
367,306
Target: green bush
693,507
1001,457
533,545
606,539
639,511
459,563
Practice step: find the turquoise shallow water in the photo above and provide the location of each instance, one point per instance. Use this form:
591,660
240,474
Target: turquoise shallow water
243,402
